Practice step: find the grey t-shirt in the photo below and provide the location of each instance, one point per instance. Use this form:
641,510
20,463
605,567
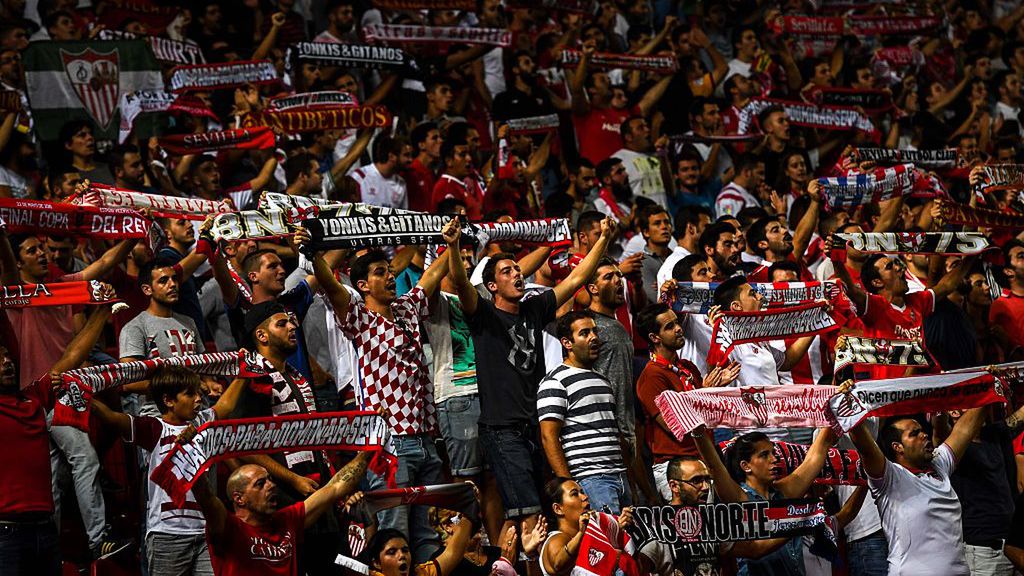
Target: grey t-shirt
615,362
147,336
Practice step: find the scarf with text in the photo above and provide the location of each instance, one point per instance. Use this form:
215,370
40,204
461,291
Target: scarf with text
105,196
207,77
852,350
808,25
261,224
533,124
942,243
1000,177
53,294
429,34
326,99
913,395
165,49
374,231
317,118
751,407
699,297
302,207
255,138
872,187
712,138
425,4
808,115
147,101
892,25
773,324
872,101
10,101
841,466
609,61
953,213
605,549
899,57
78,386
62,219
457,497
578,6
355,431
941,158
350,55
712,524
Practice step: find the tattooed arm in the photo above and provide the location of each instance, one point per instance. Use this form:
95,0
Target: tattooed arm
345,482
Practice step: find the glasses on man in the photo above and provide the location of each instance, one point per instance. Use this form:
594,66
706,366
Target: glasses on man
697,481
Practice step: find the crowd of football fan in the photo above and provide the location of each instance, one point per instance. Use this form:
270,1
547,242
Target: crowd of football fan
530,370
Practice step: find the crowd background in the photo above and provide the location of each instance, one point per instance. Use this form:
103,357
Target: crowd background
529,369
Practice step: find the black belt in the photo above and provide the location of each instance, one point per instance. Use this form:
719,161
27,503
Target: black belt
993,544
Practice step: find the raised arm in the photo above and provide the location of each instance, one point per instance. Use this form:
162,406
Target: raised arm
229,399
276,21
952,279
455,548
856,293
805,228
344,483
871,456
654,93
532,262
259,183
580,103
799,481
78,350
468,296
889,215
566,288
726,488
431,278
336,294
214,511
117,420
105,263
342,166
964,431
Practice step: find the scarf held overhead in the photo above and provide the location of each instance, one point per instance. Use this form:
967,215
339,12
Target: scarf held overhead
53,294
161,206
962,243
373,231
953,213
879,351
809,115
350,55
149,101
913,395
255,138
610,61
429,34
325,99
870,187
941,158
224,439
78,386
316,118
774,324
60,219
457,497
699,297
205,77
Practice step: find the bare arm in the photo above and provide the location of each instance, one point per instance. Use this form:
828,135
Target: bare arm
795,352
540,156
276,21
726,488
889,215
259,183
805,228
871,456
78,350
850,510
116,420
799,481
1015,555
566,288
336,294
654,93
965,430
949,282
344,483
580,103
550,439
856,293
229,399
532,262
104,264
358,147
431,279
468,297
214,511
455,547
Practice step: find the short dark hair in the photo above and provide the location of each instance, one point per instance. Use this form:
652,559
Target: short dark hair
146,270
626,128
118,153
386,145
758,231
645,214
889,434
491,266
687,215
783,265
71,127
750,214
301,163
579,165
762,117
729,291
169,381
647,320
1010,245
869,272
360,269
604,167
747,162
448,205
698,104
712,232
683,269
675,465
563,328
742,449
604,261
252,260
448,147
419,134
587,219
377,543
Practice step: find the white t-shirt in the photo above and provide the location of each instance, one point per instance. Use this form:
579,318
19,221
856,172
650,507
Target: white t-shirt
377,190
921,518
732,199
665,272
644,171
698,340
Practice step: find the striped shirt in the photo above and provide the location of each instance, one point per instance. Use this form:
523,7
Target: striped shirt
583,401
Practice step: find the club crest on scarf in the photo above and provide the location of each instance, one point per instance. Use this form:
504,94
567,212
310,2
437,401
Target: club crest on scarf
688,524
595,557
755,399
849,406
94,77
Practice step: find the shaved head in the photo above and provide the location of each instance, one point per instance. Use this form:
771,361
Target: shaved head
240,479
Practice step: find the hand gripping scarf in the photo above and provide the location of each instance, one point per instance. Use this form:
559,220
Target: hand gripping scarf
430,34
311,100
60,219
852,350
356,431
317,118
752,407
809,115
457,497
774,324
605,549
165,49
55,294
913,395
10,101
699,297
870,187
841,466
941,158
533,124
105,196
133,104
255,138
609,61
953,213
960,243
350,55
78,386
206,77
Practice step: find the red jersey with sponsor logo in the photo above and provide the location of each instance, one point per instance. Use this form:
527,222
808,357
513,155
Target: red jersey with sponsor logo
883,319
247,550
598,131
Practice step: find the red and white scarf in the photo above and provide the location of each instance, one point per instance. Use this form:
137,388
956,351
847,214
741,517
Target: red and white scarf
533,124
165,49
429,34
940,158
852,350
207,77
469,5
457,497
146,101
892,25
317,118
953,213
872,187
699,297
78,386
105,196
773,324
577,6
60,219
809,115
609,61
808,25
957,243
313,100
841,466
913,395
53,294
605,549
355,431
900,56
256,138
752,407
871,101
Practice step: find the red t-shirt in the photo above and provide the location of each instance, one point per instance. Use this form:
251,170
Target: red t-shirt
25,475
654,380
1008,311
598,131
882,319
419,185
43,332
246,550
468,192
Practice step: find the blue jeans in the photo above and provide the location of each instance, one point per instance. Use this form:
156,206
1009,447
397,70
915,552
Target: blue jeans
607,490
457,417
510,452
418,465
869,555
29,549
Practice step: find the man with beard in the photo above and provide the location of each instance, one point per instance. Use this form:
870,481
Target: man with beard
1007,312
772,242
775,124
718,242
158,331
614,199
386,333
742,191
524,98
205,178
181,237
340,23
126,162
910,479
689,223
379,182
646,172
576,411
706,121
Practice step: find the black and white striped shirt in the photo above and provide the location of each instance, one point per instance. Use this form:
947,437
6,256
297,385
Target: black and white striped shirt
583,401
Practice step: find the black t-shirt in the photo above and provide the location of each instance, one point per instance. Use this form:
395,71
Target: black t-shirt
467,568
510,358
983,481
514,103
1015,537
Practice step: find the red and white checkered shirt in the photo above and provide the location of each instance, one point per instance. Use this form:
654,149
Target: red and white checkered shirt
392,368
